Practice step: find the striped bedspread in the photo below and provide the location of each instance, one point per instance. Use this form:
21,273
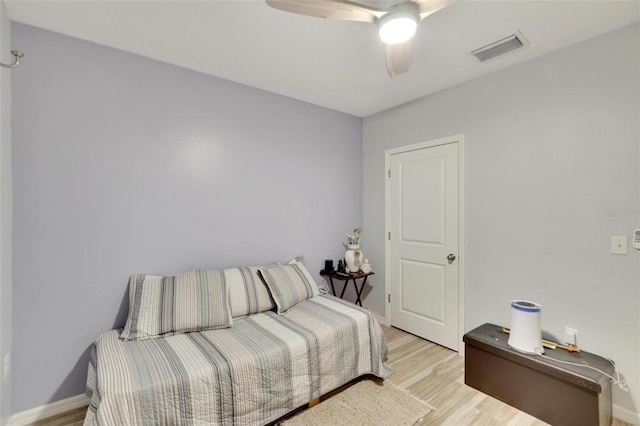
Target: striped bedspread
260,369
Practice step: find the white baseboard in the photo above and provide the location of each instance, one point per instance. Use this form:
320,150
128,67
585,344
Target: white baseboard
48,410
626,415
381,320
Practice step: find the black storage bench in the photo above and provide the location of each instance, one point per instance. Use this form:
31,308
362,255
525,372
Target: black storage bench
559,394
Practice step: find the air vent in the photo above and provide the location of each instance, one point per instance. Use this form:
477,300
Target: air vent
500,47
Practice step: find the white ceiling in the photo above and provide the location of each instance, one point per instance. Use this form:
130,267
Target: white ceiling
335,64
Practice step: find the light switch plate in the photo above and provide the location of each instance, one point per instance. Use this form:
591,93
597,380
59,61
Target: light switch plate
619,245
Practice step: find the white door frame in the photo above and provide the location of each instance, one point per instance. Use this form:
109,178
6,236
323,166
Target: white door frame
461,236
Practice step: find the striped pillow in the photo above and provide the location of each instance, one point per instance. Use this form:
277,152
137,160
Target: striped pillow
289,284
247,293
164,306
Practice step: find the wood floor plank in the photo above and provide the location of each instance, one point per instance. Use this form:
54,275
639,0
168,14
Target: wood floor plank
401,340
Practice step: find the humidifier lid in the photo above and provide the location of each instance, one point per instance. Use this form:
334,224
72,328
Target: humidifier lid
526,306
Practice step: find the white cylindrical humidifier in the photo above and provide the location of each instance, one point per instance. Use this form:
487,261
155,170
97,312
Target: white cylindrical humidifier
526,332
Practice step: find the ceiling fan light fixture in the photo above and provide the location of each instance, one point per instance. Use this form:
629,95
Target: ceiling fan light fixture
397,27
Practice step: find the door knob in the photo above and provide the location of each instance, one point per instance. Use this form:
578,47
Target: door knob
451,257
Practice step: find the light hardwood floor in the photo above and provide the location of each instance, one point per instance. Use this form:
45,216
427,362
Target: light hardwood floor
432,373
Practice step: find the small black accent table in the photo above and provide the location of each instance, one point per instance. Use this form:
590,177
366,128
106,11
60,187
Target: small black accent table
349,276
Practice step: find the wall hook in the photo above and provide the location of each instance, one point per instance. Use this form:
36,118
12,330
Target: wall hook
18,54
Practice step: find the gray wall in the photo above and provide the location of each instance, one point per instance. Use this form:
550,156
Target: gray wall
126,165
5,211
551,145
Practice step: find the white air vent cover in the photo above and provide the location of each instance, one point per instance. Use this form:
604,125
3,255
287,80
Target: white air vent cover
500,47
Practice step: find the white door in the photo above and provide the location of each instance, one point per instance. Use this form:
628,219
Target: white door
424,242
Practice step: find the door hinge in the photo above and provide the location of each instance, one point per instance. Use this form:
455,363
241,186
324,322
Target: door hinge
389,297
389,172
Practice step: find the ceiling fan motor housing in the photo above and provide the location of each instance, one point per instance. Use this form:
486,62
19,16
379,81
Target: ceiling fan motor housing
399,23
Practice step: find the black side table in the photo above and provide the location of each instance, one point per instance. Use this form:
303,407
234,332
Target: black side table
346,277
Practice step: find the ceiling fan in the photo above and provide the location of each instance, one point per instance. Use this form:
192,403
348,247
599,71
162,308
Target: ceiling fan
397,24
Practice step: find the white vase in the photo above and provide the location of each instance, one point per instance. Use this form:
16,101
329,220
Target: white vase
353,256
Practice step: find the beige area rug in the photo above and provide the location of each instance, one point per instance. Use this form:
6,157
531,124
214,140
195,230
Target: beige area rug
368,402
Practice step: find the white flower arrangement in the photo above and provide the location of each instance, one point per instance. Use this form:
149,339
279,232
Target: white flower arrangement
355,237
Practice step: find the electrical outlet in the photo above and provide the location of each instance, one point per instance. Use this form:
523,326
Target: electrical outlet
571,336
7,364
619,245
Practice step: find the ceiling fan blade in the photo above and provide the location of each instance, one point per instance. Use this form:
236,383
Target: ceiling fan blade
330,9
427,7
399,58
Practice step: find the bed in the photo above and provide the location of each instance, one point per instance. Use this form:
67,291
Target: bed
264,366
